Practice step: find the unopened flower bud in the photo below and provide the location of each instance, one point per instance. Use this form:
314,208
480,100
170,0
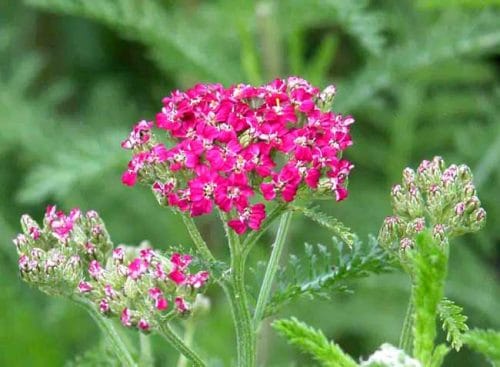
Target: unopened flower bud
469,189
479,219
23,262
439,232
449,175
126,317
104,306
326,97
37,253
21,242
472,204
406,244
408,177
181,305
143,325
459,209
84,287
464,173
118,254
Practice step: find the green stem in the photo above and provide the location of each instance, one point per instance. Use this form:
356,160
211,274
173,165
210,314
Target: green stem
272,268
405,340
188,337
235,291
166,332
146,358
112,336
198,240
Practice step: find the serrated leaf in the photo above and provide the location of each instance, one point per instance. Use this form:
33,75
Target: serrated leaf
454,322
320,272
486,342
337,227
313,342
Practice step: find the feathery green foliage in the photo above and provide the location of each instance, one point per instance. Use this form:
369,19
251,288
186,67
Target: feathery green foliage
429,265
338,228
313,342
168,35
486,342
320,272
454,322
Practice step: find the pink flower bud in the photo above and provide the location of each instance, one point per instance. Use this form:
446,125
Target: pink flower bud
198,280
118,254
84,287
143,325
126,318
95,269
104,306
109,291
161,304
181,305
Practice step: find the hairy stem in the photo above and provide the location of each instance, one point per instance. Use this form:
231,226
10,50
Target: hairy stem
112,337
198,240
188,340
146,358
272,267
166,332
236,293
405,340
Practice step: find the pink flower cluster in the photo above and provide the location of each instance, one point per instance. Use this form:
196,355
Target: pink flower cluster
227,144
154,280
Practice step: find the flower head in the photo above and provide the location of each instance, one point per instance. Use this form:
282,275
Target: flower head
229,144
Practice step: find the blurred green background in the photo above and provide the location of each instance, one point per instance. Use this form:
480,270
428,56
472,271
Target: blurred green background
420,77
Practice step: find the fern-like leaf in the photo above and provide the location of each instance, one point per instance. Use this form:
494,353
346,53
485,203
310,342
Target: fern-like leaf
170,37
334,225
313,342
486,342
444,40
320,272
454,322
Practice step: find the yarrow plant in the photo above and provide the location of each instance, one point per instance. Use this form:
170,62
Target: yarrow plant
254,154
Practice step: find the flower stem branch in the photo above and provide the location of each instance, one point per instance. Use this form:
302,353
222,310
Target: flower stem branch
198,240
146,354
112,337
272,267
168,334
405,340
236,292
188,336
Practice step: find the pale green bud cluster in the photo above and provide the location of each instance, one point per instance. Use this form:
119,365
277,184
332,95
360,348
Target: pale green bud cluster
53,257
434,196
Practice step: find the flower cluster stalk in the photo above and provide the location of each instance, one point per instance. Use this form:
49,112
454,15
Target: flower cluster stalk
171,337
272,267
106,326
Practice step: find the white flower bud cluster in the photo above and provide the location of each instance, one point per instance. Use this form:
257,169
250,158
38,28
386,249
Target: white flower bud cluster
390,356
